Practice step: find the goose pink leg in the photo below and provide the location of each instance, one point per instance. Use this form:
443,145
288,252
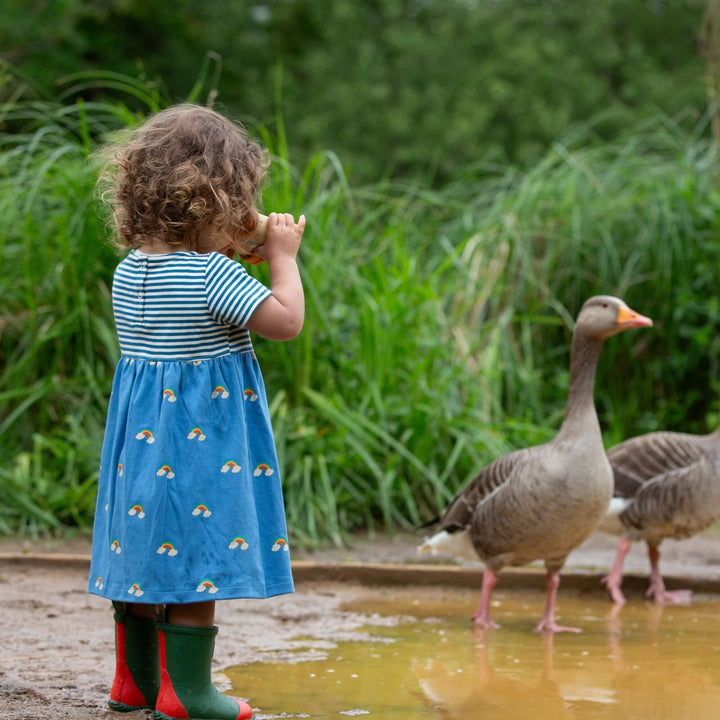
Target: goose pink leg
481,618
613,580
656,589
548,624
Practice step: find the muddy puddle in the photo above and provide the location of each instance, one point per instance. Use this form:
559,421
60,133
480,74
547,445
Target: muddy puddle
418,657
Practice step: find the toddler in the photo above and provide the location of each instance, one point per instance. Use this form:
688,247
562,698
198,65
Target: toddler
189,507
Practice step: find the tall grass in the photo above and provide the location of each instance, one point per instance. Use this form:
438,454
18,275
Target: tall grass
58,344
438,322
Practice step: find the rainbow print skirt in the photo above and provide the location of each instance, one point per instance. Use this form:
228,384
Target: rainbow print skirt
189,504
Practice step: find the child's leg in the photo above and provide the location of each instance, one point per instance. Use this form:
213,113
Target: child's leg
137,668
187,643
141,610
201,614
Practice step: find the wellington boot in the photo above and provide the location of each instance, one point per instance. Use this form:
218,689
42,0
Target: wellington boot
186,689
137,668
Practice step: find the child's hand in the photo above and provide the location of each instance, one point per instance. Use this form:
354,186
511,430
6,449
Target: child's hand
283,237
280,316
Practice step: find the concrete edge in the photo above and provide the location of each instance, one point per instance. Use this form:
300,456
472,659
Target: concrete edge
386,574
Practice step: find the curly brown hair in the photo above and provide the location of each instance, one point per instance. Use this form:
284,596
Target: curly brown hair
187,174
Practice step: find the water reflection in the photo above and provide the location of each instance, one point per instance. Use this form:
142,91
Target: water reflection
631,662
670,669
491,692
648,671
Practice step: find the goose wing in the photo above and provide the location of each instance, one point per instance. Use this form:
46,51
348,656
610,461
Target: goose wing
677,503
640,459
458,514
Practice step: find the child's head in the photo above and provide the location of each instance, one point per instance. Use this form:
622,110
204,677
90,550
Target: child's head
187,175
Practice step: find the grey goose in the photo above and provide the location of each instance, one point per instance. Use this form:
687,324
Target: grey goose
540,502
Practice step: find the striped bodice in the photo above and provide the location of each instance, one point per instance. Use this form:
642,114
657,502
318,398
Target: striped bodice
183,305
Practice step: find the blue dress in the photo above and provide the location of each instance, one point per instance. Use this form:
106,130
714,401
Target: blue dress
189,503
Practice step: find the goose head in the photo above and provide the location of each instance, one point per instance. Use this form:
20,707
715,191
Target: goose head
602,316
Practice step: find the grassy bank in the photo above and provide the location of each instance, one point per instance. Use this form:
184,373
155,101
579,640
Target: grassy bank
438,322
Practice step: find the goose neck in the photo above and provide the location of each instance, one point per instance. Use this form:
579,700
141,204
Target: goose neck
583,364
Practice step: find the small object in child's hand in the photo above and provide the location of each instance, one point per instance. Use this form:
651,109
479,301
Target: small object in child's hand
246,245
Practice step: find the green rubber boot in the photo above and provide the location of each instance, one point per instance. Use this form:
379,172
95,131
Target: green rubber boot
186,690
137,668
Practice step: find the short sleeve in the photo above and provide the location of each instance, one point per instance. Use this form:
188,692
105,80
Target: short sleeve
232,294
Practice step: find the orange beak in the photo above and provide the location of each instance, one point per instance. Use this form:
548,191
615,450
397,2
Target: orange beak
628,318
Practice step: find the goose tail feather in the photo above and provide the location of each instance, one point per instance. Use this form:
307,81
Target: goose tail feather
611,523
458,544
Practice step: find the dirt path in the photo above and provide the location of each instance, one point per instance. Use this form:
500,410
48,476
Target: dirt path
57,649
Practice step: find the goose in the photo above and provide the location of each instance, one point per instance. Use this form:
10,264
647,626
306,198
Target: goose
540,502
667,485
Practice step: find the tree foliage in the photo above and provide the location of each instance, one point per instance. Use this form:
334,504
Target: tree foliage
395,87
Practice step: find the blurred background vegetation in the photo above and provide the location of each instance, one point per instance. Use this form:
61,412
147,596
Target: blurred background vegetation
471,170
405,88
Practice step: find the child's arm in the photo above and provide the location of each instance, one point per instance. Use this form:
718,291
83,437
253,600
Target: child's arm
280,316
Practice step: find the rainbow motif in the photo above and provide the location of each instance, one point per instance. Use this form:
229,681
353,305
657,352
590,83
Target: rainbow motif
202,510
231,466
115,547
137,510
220,391
165,470
135,590
250,395
196,433
168,548
261,469
238,542
208,585
169,395
120,469
99,582
146,435
280,543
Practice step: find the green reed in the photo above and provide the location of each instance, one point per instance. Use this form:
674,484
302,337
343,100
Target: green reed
438,321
